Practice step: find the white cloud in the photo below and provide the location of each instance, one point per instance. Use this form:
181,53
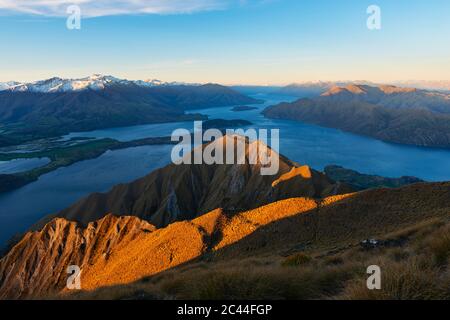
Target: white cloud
98,8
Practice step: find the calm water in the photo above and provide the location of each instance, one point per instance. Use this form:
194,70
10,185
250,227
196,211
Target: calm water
303,143
20,165
133,132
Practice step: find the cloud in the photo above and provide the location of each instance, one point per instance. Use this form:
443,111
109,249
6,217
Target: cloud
98,8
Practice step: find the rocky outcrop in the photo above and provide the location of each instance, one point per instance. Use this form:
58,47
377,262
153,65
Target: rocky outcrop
37,264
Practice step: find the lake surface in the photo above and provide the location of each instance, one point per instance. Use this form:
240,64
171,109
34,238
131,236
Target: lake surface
133,132
303,143
20,165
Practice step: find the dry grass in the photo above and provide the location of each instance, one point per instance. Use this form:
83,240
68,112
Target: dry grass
402,281
267,282
417,270
296,260
440,246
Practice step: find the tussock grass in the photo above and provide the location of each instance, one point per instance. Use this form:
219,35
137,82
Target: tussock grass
296,260
402,281
333,260
260,283
399,254
440,246
415,270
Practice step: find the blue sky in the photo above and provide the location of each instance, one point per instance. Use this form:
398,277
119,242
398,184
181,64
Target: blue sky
230,42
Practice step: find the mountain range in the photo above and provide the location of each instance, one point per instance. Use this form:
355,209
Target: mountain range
231,227
316,88
93,82
54,107
389,113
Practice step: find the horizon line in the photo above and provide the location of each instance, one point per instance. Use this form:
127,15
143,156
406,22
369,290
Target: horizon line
268,84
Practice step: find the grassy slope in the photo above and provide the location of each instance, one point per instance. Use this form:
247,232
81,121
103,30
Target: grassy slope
417,267
416,270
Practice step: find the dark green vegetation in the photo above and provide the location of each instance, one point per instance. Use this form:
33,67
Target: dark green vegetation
8,140
10,182
391,114
361,181
29,116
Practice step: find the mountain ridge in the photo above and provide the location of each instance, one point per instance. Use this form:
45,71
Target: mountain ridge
391,114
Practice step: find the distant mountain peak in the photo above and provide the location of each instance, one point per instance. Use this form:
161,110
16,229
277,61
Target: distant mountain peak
93,82
362,89
389,89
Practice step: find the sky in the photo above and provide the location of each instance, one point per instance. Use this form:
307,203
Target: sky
264,42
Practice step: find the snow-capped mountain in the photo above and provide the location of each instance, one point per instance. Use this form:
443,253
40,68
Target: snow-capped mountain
7,85
94,82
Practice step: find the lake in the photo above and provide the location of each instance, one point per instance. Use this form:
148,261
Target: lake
303,143
20,165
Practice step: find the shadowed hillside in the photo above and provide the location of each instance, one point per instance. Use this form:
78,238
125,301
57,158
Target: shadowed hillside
361,181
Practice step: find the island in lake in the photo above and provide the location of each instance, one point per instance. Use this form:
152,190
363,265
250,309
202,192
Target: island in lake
243,108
